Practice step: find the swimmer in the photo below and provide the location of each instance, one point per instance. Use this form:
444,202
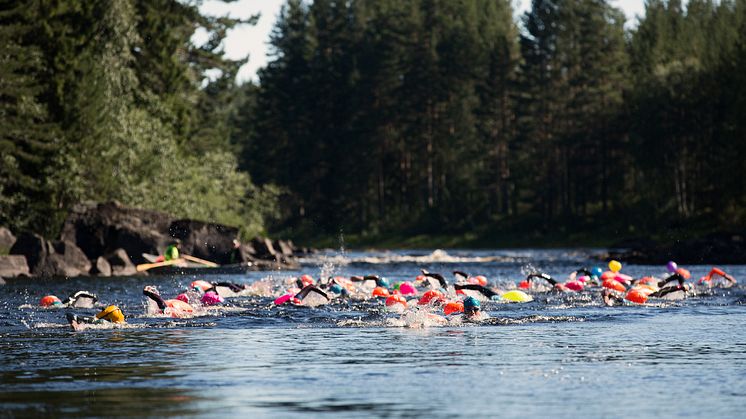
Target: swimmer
110,315
380,282
80,299
708,279
473,310
299,298
173,308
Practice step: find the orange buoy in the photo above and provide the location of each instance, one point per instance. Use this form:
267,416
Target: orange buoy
453,307
49,300
615,285
637,295
380,292
430,296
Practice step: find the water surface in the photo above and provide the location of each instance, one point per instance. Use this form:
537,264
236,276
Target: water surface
559,356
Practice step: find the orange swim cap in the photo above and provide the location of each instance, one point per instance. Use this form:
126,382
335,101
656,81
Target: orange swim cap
430,296
380,292
637,296
615,285
453,307
50,300
395,299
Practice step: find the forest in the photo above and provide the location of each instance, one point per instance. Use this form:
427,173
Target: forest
382,118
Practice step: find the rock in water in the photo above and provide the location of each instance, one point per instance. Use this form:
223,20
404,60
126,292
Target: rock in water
263,248
210,241
121,265
101,229
35,248
12,266
101,267
7,239
72,256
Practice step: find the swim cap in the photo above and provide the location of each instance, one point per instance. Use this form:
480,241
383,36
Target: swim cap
453,307
395,299
380,292
182,297
382,282
430,296
337,289
597,272
211,298
471,304
112,314
406,288
479,280
306,280
50,300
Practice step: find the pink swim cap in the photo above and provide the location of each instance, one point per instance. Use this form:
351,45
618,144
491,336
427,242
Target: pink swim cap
211,298
183,297
406,288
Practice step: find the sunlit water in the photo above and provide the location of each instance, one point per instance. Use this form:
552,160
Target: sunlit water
559,356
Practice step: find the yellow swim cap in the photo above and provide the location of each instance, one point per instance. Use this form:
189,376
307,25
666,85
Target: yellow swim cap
112,314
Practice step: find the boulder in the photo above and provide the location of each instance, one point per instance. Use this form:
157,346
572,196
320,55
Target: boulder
263,248
72,257
210,241
35,248
100,229
12,266
7,239
121,264
101,267
284,247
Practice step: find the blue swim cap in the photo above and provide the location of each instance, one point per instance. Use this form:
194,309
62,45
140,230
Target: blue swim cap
471,303
596,271
382,282
336,288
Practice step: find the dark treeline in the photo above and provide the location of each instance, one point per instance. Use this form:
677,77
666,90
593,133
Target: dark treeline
109,100
444,116
380,116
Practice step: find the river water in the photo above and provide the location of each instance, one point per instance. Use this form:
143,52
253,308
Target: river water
560,355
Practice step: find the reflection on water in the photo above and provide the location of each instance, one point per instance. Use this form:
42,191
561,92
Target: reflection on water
559,356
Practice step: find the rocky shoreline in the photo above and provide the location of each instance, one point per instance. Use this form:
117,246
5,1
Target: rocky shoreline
110,239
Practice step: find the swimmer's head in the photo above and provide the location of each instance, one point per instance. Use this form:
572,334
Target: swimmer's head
597,272
111,313
472,306
201,285
383,282
50,301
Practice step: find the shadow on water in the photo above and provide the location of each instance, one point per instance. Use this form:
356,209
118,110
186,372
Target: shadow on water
102,402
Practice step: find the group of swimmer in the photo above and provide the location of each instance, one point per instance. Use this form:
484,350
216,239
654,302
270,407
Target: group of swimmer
429,293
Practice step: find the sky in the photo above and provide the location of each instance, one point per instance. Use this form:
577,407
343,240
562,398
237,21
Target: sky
252,40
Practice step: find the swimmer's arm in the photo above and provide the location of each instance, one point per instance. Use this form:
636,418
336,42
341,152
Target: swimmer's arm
718,271
543,276
438,277
461,273
231,285
674,277
476,287
308,288
667,290
157,298
583,271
